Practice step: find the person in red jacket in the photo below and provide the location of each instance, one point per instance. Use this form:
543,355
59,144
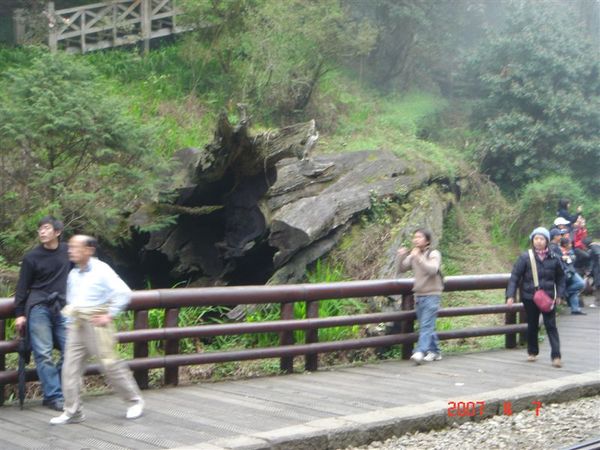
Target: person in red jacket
579,233
582,258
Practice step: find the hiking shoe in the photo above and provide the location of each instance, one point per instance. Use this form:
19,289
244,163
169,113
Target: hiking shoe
417,357
556,362
56,405
432,356
65,419
578,313
531,358
136,410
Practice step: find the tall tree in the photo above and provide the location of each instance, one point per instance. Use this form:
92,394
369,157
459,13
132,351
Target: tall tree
590,16
540,82
68,148
422,42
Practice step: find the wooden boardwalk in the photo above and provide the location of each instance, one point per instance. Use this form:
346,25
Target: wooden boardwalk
184,416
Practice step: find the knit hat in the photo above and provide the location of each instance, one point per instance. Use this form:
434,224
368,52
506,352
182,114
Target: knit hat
542,231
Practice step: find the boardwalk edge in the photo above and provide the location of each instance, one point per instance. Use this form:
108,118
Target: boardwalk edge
361,429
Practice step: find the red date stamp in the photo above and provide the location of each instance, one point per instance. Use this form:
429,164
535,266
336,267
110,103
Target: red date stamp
477,408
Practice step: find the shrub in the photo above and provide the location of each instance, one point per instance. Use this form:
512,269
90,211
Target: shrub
538,202
68,148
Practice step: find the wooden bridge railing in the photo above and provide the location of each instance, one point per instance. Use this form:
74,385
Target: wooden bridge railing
105,24
172,299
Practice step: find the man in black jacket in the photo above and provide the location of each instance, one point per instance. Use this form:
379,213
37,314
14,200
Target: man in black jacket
39,297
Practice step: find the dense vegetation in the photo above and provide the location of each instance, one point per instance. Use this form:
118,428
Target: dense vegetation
74,150
539,85
526,72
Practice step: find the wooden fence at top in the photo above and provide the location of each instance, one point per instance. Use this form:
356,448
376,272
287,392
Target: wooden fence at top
171,300
107,24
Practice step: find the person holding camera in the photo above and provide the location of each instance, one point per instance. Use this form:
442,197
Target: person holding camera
425,263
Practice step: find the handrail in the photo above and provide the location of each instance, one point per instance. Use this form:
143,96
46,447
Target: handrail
237,295
172,299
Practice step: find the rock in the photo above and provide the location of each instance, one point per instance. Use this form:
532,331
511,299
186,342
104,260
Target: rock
255,209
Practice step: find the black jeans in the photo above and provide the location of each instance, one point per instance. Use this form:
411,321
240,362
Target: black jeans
533,320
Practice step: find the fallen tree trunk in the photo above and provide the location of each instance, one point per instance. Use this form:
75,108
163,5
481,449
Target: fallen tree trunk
260,209
326,200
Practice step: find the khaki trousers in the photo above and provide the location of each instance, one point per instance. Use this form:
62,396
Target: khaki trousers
85,340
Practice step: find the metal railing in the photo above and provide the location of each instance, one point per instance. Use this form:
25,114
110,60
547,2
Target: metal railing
171,300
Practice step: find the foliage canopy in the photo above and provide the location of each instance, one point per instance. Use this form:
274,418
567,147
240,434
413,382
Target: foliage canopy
539,79
270,53
67,147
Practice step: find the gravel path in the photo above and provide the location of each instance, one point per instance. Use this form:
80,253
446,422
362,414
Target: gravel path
557,426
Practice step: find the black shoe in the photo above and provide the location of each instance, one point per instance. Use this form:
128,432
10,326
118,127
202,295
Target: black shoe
56,405
578,313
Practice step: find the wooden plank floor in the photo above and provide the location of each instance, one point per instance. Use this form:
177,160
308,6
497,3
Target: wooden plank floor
193,414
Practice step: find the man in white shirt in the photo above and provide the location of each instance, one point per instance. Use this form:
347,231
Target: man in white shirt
95,295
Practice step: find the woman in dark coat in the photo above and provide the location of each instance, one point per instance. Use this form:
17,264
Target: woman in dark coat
551,279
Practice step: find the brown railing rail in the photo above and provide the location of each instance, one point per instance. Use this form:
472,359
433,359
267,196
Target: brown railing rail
172,299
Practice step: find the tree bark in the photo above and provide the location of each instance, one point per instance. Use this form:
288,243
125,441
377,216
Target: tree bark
260,209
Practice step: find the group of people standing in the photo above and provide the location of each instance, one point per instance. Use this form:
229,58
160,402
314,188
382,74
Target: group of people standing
66,299
578,253
562,256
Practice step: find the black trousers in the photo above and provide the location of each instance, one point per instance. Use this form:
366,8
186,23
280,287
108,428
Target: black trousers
533,320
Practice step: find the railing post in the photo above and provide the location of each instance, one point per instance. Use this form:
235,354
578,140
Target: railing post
140,349
311,361
52,28
286,363
19,26
2,358
173,20
82,41
408,325
146,24
171,346
114,25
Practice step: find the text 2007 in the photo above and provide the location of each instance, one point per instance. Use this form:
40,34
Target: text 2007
463,409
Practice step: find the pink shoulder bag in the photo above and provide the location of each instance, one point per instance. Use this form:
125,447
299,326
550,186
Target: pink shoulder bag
543,301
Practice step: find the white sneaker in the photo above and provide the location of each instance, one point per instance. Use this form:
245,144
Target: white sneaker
65,419
136,410
432,356
417,357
